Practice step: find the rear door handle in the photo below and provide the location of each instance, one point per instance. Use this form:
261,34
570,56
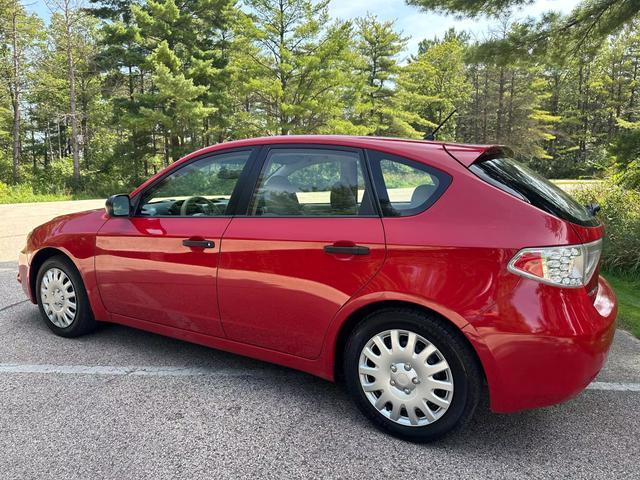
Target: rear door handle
198,243
347,250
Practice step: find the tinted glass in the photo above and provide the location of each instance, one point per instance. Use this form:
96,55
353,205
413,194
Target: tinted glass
311,182
201,188
405,187
522,182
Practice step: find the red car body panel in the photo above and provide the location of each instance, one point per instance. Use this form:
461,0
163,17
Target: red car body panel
74,235
275,277
553,344
144,271
270,292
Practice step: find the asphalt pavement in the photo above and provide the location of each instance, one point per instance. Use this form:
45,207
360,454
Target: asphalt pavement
18,219
122,403
227,416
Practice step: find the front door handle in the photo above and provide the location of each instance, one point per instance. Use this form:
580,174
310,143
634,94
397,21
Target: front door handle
347,249
198,243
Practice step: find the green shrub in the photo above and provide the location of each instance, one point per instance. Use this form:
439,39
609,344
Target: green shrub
4,190
55,179
629,176
628,301
620,213
23,193
56,183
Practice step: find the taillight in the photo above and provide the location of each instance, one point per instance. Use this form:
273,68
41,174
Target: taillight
570,266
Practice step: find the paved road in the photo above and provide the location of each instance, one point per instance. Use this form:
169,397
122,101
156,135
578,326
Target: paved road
571,186
122,403
17,220
235,417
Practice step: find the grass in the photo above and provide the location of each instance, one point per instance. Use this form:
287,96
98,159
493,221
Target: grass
35,197
628,293
24,194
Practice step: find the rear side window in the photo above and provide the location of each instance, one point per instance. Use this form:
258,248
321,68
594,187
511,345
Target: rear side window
312,182
405,187
516,179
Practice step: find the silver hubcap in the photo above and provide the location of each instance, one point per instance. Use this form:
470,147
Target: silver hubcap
58,297
406,378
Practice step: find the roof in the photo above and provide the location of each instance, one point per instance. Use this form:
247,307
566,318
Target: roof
465,153
440,152
342,139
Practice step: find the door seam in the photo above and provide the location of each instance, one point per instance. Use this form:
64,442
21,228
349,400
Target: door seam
217,274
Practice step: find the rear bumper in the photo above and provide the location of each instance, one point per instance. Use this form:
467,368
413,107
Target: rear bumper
543,345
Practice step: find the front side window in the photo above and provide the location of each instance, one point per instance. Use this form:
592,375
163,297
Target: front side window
199,189
311,182
405,187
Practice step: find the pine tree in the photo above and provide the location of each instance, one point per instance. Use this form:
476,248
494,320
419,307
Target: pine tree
591,20
153,79
176,108
378,47
433,84
302,67
70,16
187,48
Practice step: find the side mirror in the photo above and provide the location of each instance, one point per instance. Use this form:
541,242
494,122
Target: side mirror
118,206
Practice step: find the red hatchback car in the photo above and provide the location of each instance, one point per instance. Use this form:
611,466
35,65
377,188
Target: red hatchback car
417,272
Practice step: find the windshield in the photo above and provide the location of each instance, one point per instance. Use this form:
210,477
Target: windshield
522,182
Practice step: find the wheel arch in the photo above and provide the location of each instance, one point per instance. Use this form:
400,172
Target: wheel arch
84,269
39,258
354,317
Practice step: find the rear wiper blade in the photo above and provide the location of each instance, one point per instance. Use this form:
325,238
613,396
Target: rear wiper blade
593,208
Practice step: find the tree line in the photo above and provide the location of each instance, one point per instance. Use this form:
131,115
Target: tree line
109,91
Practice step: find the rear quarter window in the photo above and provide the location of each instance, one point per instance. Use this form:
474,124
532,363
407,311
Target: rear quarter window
405,187
520,181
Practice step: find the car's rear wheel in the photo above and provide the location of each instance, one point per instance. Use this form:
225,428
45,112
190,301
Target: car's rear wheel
411,374
62,298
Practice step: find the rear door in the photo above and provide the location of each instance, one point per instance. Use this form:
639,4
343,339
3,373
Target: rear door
311,237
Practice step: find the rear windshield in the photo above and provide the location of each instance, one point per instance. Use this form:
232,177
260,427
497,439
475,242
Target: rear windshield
518,180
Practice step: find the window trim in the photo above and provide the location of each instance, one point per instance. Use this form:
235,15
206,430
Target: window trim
235,194
252,183
374,158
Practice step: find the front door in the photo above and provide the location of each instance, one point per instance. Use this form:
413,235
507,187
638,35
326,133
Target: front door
310,240
160,264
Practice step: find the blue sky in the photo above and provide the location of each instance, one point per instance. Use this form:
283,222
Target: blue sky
418,25
410,20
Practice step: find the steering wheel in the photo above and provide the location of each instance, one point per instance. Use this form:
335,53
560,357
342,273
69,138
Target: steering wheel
184,208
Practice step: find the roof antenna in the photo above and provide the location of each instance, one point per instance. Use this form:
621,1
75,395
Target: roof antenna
432,135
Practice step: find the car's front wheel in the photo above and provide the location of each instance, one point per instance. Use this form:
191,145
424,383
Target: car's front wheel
411,374
62,298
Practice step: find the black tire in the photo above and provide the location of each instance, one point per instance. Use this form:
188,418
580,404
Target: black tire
464,367
83,321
